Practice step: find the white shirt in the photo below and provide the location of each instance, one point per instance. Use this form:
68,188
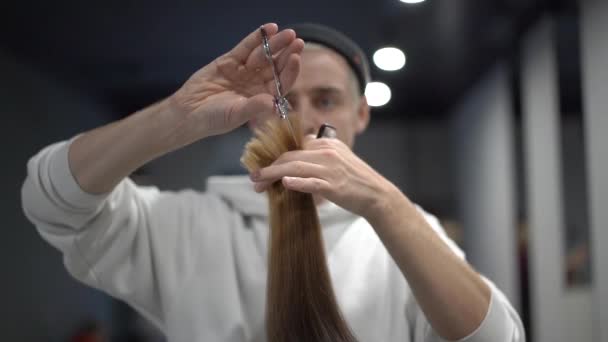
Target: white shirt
195,264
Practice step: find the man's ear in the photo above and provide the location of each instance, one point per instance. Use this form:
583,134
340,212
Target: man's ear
363,115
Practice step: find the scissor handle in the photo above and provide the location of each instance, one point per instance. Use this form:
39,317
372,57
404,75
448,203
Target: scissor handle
268,54
327,131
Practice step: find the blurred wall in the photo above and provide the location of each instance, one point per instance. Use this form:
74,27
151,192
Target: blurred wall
542,162
40,301
559,313
483,150
595,85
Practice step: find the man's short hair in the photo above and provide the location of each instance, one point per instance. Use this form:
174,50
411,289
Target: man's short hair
340,43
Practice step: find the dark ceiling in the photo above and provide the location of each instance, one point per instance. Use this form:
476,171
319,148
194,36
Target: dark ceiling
130,53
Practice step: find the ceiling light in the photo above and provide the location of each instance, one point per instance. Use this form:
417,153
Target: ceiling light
389,59
412,1
377,94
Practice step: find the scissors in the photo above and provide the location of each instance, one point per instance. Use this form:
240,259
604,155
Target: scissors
325,131
280,102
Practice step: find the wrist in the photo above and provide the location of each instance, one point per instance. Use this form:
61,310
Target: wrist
151,130
383,202
171,126
390,207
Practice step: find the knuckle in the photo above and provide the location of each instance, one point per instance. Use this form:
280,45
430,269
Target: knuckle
324,143
316,185
298,166
309,143
329,153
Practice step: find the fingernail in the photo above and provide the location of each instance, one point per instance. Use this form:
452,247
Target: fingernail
257,187
255,175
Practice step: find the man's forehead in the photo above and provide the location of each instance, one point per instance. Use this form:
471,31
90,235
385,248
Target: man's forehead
322,68
316,53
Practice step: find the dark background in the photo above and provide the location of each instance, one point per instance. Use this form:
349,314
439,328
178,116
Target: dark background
130,53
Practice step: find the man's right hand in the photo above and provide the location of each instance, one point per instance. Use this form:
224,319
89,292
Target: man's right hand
221,96
236,86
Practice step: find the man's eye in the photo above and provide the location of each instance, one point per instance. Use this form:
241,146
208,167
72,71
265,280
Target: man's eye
325,103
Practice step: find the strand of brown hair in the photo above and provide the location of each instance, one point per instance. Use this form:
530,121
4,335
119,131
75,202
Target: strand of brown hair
300,305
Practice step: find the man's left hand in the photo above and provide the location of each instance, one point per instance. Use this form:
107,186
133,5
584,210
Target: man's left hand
328,168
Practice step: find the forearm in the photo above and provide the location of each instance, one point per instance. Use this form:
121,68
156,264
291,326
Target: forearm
452,295
101,158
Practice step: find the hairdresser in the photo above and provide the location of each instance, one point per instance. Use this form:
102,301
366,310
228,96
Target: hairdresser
195,264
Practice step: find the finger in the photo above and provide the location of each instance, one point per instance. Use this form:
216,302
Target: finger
324,143
243,50
313,186
278,42
289,73
296,47
322,157
308,138
296,168
253,108
268,175
262,114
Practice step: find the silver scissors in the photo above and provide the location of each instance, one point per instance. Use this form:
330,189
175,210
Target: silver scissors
280,102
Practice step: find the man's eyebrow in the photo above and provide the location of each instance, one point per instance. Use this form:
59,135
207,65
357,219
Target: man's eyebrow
321,90
327,90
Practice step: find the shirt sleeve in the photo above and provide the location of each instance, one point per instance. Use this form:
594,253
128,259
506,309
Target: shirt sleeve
133,242
501,323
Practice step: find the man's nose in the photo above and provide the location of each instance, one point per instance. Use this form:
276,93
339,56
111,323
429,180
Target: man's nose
306,117
309,120
310,123
309,129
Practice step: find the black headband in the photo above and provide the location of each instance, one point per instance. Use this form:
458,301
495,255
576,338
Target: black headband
340,43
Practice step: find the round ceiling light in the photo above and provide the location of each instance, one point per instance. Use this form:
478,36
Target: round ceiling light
389,59
377,94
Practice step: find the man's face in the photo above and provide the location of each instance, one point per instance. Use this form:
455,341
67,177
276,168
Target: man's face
326,92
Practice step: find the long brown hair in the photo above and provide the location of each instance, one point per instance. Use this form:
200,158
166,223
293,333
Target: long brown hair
301,305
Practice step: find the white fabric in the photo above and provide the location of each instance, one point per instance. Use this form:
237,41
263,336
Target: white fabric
195,263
